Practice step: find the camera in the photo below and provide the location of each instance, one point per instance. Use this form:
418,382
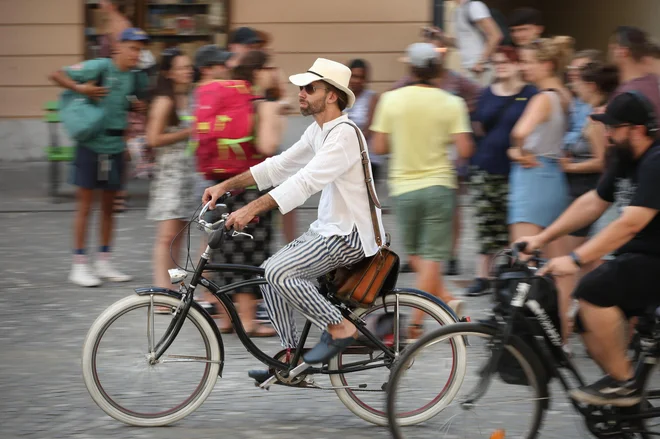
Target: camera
430,33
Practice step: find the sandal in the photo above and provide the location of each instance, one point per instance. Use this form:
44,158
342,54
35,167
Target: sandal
213,310
415,331
120,203
262,331
226,329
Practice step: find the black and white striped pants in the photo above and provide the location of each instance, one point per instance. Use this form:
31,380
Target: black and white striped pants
290,274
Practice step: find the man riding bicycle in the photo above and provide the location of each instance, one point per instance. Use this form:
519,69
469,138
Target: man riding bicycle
326,158
624,286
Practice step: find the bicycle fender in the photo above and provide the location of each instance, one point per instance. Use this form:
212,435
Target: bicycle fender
144,291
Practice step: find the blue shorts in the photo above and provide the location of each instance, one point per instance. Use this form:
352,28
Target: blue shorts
92,170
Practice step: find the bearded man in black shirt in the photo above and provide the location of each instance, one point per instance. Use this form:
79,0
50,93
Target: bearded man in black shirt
627,285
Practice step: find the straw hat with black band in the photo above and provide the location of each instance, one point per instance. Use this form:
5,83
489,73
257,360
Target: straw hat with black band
332,72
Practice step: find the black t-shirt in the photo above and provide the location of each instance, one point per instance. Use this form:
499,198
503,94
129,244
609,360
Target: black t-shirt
637,186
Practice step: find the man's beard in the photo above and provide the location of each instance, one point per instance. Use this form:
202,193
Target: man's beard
620,153
313,108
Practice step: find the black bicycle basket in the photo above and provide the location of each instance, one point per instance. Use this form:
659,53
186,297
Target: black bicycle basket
526,325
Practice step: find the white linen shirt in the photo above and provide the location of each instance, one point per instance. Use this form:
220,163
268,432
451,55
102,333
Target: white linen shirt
332,166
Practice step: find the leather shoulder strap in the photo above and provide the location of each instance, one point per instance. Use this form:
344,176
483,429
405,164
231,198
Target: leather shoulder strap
368,180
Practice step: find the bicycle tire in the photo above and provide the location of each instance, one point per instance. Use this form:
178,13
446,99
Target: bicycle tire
355,405
94,336
515,345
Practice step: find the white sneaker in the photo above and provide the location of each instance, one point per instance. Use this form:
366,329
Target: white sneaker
458,306
81,274
105,270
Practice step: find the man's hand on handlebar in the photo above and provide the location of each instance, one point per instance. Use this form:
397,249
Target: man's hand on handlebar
534,243
213,193
240,218
562,266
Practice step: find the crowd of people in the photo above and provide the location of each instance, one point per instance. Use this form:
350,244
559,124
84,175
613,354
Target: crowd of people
532,147
513,124
560,137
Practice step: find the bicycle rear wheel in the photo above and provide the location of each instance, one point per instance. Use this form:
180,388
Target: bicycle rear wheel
498,411
364,392
121,379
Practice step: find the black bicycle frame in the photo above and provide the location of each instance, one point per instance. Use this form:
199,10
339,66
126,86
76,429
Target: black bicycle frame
221,294
554,359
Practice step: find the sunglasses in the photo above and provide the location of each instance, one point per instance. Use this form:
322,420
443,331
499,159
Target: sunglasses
311,89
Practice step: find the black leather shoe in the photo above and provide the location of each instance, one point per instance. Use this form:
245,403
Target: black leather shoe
259,375
480,287
327,348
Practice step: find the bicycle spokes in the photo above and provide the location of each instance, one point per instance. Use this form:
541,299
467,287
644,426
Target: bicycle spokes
132,378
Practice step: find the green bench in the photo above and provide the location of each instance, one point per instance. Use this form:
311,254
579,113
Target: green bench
55,152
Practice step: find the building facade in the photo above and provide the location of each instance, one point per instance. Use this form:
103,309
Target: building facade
40,36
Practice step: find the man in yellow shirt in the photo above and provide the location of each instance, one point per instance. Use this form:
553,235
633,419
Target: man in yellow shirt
416,124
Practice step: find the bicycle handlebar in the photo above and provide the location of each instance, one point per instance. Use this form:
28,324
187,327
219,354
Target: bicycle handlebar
519,247
216,222
221,198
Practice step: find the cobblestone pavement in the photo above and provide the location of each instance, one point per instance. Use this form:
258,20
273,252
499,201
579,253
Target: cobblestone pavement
43,321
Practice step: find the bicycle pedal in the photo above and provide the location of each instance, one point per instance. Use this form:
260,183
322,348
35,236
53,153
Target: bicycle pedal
298,370
269,382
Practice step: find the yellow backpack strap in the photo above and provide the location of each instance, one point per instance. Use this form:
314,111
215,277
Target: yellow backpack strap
235,141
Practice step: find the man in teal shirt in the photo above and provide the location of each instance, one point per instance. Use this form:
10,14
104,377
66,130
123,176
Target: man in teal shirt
99,161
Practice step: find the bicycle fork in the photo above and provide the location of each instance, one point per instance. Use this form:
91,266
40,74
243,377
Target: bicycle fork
187,297
499,344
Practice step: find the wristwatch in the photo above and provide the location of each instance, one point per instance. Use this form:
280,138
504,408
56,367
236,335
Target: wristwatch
576,259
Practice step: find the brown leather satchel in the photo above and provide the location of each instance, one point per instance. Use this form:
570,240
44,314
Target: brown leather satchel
362,283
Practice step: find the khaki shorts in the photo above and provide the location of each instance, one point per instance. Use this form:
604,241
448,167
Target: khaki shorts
425,219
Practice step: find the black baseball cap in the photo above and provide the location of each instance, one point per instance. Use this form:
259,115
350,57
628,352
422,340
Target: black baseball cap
211,55
628,108
245,35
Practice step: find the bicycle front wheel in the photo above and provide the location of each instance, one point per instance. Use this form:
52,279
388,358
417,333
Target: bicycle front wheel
123,381
495,404
439,375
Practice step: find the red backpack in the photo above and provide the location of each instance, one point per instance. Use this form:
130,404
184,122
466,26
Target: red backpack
225,129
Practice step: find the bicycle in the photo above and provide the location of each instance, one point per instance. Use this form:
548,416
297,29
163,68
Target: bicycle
186,324
524,330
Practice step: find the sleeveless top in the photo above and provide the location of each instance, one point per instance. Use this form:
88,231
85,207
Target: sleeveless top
547,139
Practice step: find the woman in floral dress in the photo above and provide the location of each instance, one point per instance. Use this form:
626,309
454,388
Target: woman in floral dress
171,200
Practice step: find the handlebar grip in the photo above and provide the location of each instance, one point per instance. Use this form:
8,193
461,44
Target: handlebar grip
520,246
255,220
517,248
231,193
